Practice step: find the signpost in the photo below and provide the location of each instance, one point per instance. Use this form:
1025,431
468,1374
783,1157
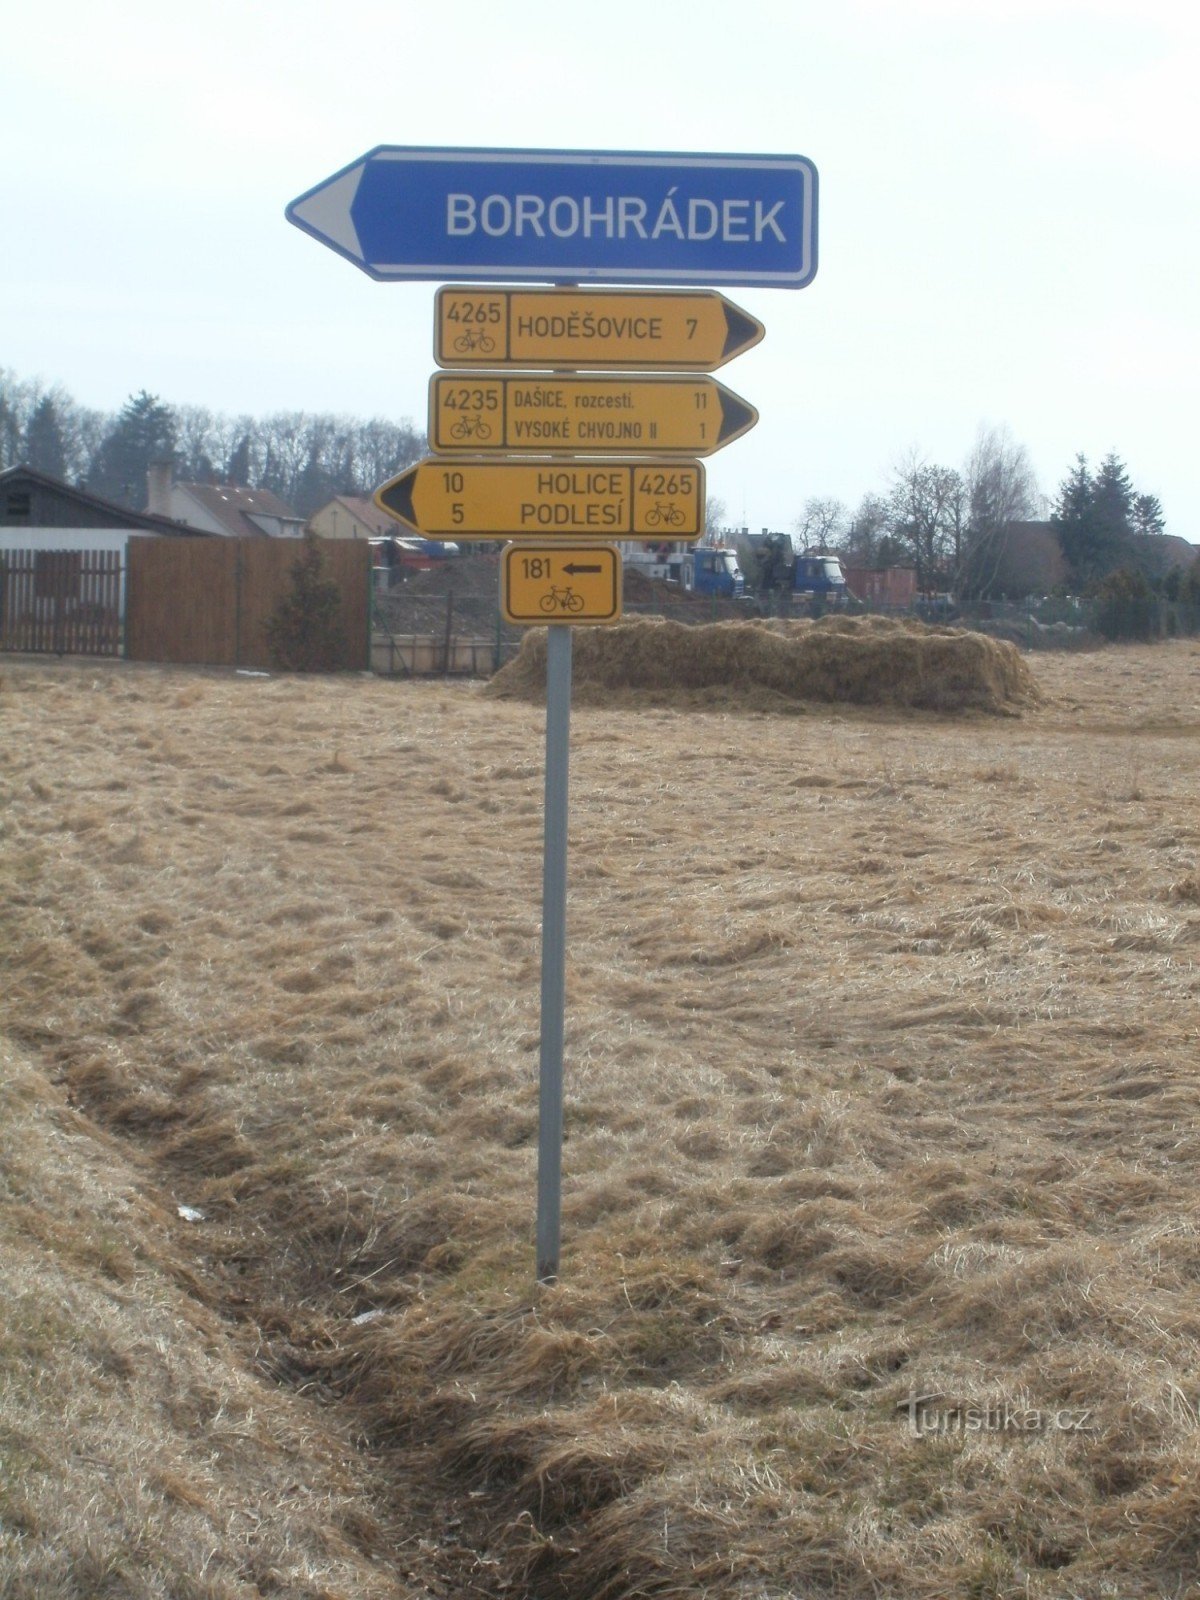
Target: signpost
594,415
688,330
446,497
560,217
540,584
569,215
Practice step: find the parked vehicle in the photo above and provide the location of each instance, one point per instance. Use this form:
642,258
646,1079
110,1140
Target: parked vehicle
712,569
392,559
814,575
705,569
821,576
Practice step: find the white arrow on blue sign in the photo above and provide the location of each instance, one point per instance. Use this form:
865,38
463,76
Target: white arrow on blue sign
570,215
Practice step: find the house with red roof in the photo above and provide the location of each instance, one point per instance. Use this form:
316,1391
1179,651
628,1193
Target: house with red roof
225,509
352,516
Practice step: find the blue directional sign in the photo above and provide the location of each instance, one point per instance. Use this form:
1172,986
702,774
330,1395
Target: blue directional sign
570,215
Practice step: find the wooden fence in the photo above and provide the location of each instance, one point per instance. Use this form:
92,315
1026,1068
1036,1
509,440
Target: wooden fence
207,601
61,602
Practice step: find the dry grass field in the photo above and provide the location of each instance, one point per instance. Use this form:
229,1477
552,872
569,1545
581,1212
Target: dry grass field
881,1256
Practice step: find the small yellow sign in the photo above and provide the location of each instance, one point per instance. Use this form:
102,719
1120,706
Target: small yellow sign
668,330
542,583
450,497
598,414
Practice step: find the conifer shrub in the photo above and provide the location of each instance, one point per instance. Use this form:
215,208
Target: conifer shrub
304,634
1127,608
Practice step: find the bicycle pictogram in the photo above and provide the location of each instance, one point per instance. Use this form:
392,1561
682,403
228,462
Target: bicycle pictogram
474,339
465,427
564,599
665,514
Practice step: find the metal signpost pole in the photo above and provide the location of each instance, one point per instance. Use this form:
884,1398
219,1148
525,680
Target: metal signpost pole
559,650
554,952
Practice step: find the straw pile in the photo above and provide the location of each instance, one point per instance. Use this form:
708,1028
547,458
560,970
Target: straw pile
776,664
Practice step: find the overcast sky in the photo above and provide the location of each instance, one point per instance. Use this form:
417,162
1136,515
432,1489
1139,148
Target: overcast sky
1009,210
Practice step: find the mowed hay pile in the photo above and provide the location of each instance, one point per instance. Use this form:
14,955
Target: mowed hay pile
858,660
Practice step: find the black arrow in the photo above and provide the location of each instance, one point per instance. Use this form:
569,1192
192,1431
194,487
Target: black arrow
737,415
396,498
742,331
573,567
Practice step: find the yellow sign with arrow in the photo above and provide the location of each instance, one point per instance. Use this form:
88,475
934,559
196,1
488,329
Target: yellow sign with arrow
447,497
599,414
544,583
684,330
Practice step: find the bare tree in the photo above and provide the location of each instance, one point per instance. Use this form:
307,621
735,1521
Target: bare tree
868,541
198,444
716,516
928,517
1001,490
286,447
235,445
384,449
822,523
87,428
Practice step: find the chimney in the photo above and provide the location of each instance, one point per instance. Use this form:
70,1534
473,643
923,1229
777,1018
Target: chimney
159,475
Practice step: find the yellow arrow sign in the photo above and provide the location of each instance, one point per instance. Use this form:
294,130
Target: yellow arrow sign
686,330
543,415
539,583
454,498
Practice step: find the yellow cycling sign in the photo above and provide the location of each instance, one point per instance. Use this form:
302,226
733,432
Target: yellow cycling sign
545,583
451,497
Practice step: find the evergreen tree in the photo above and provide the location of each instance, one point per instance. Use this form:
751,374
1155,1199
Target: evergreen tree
46,440
1072,521
304,634
238,471
1097,519
10,435
143,433
1147,515
1112,513
317,483
1127,607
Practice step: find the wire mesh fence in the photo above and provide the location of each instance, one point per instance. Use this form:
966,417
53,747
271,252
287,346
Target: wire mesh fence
446,620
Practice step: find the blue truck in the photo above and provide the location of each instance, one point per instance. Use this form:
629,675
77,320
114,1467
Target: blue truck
811,575
712,569
821,577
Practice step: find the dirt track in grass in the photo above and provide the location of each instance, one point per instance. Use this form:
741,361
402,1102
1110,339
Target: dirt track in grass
882,1042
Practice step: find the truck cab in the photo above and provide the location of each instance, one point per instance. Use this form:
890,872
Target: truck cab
712,570
821,576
